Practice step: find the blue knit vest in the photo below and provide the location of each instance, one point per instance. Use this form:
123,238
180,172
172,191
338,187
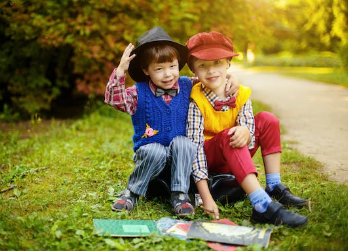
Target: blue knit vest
169,120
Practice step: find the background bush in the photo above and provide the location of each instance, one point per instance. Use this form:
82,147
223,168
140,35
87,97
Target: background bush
344,57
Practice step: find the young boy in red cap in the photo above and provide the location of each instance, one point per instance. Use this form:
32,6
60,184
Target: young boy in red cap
227,135
158,104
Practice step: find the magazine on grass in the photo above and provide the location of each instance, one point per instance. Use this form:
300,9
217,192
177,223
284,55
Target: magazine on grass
220,234
229,234
124,228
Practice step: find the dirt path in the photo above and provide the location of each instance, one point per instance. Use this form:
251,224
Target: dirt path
314,114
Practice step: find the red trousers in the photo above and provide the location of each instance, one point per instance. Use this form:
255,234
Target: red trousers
222,158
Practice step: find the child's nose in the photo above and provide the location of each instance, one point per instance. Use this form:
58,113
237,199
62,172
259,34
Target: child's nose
167,72
211,68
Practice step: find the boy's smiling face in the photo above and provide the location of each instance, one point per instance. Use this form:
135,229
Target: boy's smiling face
212,74
163,75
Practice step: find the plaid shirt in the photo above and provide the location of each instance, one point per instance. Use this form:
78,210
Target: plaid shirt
126,99
195,127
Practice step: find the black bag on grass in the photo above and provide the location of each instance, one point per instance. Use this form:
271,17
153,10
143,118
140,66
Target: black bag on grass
223,187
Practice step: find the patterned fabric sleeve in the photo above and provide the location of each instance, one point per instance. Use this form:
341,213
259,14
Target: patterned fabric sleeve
194,131
246,118
120,97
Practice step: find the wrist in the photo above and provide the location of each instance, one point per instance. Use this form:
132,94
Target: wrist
120,72
203,190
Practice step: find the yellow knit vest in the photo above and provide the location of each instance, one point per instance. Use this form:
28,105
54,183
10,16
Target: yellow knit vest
217,121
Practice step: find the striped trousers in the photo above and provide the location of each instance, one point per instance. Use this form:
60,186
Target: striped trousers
151,159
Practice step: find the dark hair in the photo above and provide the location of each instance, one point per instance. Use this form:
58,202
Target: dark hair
191,61
159,53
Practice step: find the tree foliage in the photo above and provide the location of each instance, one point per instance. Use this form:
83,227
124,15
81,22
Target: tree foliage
51,46
51,49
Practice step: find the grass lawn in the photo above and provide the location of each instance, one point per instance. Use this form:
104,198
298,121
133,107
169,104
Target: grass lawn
326,75
67,175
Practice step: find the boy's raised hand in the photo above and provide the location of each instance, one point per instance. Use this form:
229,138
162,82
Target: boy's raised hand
240,136
125,60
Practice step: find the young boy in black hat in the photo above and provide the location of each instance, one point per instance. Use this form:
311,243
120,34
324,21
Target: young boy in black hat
158,104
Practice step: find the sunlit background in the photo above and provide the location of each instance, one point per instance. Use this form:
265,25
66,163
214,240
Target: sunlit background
53,52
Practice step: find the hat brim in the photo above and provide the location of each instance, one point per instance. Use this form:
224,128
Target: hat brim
213,54
136,72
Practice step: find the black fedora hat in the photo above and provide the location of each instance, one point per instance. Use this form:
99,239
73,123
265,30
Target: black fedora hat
154,36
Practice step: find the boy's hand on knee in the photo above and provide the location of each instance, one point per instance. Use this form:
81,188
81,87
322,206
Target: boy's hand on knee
240,136
125,60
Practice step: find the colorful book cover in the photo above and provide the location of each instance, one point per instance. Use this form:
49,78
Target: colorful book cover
124,228
223,246
179,230
173,227
229,234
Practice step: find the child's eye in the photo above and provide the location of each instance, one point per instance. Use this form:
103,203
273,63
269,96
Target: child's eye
158,69
201,66
173,66
217,61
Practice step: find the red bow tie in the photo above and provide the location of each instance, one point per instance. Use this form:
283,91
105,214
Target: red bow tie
219,104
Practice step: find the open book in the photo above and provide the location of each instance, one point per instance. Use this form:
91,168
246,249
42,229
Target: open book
229,234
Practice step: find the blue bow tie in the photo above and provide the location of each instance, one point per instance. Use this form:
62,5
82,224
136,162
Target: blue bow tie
172,92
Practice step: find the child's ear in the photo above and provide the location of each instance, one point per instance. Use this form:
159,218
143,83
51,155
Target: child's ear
146,72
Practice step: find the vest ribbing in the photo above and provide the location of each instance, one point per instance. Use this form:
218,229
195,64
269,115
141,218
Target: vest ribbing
169,120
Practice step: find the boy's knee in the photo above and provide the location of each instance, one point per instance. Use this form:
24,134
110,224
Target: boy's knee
152,151
268,118
182,142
